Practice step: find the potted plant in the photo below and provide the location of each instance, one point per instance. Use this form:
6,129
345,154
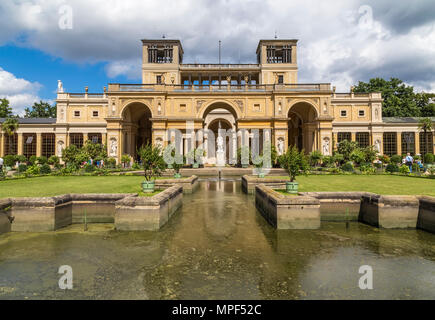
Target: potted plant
179,160
153,165
294,162
195,157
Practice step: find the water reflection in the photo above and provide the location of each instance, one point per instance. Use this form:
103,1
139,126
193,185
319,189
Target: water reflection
218,246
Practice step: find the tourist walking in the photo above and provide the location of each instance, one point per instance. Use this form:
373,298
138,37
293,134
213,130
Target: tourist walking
409,160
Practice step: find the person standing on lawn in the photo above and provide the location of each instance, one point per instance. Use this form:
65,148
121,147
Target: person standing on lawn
409,160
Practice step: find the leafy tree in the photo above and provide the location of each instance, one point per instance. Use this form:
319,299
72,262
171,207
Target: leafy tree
346,147
357,156
125,159
5,109
152,161
294,162
94,151
41,110
10,126
315,157
425,125
69,155
399,99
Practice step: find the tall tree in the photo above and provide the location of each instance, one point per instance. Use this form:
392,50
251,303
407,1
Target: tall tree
10,126
399,99
425,125
5,109
41,110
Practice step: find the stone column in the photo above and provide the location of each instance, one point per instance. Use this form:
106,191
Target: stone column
39,144
2,145
399,143
353,136
417,142
20,144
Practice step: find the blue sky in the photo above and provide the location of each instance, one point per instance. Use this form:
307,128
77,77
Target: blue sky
91,43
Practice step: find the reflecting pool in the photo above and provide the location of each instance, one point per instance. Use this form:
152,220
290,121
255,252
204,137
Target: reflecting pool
217,246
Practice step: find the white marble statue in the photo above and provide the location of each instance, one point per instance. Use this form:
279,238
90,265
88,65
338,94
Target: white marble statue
59,148
59,86
280,146
378,145
220,154
113,147
326,146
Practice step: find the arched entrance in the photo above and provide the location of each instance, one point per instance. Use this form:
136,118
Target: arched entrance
302,126
136,128
222,114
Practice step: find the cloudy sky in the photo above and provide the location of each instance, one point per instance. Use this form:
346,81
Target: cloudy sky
90,43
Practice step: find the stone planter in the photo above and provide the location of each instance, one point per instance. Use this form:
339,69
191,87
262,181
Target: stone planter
148,186
189,184
147,213
291,187
287,212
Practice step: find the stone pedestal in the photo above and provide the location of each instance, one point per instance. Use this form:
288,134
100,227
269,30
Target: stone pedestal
220,158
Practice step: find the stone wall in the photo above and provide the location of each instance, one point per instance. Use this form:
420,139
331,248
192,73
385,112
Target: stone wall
249,183
389,211
5,217
147,213
426,214
99,208
287,212
189,184
339,206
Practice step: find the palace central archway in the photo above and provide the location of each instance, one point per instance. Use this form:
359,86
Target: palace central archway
302,126
136,128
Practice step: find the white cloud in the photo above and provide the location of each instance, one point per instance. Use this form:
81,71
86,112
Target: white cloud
342,41
21,93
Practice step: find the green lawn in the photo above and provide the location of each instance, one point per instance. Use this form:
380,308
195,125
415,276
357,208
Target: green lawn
55,185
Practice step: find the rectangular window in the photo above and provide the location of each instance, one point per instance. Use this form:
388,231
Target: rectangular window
361,113
48,144
390,143
257,107
426,142
363,139
95,137
280,79
29,145
182,107
95,114
343,113
77,114
344,136
76,139
408,142
159,79
11,144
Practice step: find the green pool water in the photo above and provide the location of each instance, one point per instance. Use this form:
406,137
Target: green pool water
217,246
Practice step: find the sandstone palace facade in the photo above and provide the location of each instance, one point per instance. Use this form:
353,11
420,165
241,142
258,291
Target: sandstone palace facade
195,97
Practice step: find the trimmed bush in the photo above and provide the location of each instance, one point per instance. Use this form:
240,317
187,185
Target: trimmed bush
45,169
89,168
428,158
32,160
348,167
396,159
33,170
111,163
392,167
22,168
404,169
42,160
9,160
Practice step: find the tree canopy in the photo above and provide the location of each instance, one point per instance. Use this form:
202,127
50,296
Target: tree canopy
5,109
41,110
400,100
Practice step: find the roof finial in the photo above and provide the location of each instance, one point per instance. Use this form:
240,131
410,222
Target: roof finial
276,36
163,37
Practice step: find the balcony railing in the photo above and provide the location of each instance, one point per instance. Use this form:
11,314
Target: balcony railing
220,65
220,88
